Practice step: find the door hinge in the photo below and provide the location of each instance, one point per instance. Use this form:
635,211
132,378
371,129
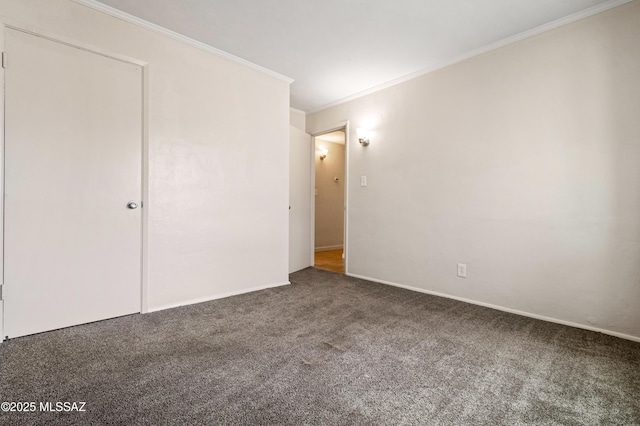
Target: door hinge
4,59
1,293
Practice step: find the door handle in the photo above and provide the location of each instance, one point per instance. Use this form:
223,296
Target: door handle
132,205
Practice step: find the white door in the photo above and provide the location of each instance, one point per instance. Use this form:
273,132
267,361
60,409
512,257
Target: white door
73,161
299,199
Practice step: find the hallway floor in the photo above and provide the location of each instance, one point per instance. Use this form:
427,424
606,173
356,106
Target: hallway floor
330,260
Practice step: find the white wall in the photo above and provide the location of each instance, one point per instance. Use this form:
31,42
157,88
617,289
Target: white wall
218,201
299,200
329,196
523,163
297,119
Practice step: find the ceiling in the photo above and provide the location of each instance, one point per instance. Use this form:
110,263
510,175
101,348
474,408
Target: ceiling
336,49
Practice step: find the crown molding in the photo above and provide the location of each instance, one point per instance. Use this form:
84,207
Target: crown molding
297,111
100,7
476,52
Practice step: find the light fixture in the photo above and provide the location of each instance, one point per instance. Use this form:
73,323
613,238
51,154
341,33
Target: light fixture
323,153
363,137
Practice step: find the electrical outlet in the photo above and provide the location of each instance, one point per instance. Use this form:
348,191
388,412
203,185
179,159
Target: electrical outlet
462,270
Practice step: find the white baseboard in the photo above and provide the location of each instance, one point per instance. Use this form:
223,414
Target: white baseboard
327,248
216,297
502,308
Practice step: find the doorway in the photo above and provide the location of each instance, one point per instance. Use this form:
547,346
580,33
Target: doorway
330,195
72,185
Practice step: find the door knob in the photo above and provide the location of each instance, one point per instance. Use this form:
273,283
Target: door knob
132,205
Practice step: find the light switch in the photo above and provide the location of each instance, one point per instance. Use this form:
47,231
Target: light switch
363,181
462,270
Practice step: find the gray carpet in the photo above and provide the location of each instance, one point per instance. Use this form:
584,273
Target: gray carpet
327,350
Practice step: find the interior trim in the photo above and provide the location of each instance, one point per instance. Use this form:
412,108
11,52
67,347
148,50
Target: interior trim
502,308
484,49
216,297
100,7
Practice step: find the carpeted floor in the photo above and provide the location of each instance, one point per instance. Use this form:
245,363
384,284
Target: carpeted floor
328,349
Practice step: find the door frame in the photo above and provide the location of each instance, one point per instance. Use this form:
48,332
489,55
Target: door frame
344,126
144,66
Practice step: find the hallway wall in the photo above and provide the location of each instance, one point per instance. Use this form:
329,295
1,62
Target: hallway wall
329,197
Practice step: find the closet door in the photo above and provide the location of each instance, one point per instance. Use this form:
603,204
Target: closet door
73,172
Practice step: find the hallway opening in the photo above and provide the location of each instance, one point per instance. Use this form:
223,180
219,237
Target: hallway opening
329,230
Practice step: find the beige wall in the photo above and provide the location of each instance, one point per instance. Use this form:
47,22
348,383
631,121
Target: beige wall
300,254
329,198
217,200
523,163
297,119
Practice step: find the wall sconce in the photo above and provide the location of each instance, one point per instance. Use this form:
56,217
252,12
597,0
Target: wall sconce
323,153
363,137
